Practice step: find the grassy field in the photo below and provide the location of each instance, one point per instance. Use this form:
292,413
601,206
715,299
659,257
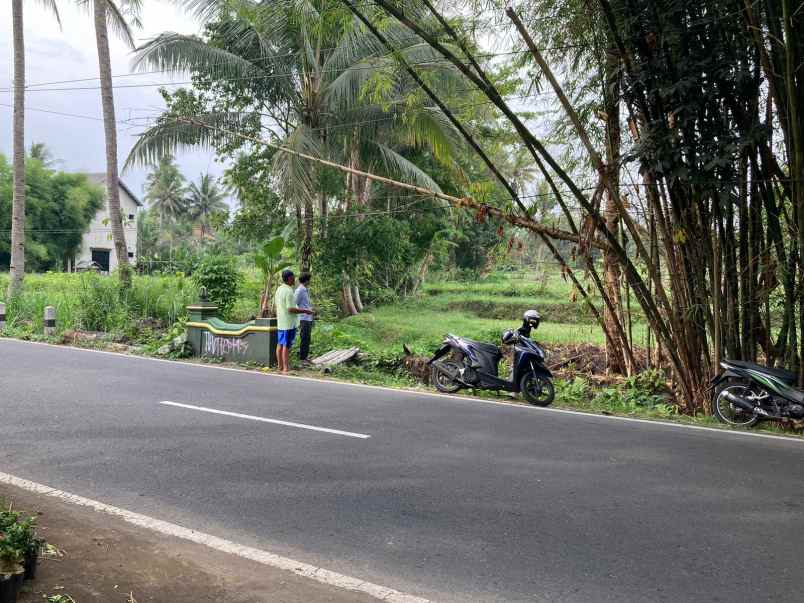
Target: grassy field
480,309
94,303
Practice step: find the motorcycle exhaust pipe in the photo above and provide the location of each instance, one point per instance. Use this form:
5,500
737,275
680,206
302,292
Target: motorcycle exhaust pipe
744,404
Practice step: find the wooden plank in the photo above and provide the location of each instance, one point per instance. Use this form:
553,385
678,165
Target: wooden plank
326,357
335,357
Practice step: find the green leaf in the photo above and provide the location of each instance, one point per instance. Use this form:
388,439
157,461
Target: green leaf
273,248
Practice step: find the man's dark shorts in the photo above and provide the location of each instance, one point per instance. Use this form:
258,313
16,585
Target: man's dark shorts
286,338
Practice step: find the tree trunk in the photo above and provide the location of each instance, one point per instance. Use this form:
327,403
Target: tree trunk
18,207
422,272
733,310
717,270
611,266
264,302
794,54
307,241
347,301
299,221
611,276
324,215
110,129
744,265
356,297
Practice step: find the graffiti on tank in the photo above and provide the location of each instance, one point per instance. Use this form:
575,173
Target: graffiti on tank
224,346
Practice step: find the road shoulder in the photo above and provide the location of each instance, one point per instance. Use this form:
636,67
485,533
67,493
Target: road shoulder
106,559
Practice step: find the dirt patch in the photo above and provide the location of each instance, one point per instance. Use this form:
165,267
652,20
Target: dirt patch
103,559
572,359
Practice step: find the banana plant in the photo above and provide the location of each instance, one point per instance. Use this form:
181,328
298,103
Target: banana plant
271,263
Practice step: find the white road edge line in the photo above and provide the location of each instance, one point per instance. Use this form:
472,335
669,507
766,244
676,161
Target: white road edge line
445,397
238,415
319,574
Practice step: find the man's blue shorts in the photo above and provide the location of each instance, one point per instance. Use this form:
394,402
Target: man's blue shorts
286,338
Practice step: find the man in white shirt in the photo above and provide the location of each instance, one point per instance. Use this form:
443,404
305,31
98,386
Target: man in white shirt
287,319
302,301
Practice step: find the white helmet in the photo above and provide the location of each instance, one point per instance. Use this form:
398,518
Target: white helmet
532,318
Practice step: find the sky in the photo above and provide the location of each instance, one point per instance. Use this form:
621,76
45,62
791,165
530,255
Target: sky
54,55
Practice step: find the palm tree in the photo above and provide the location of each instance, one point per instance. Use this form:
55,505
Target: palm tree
166,191
18,204
206,199
108,14
319,62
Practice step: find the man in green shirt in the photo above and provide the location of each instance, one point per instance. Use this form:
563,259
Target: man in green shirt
287,319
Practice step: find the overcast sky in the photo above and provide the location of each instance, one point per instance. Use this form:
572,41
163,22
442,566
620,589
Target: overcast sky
54,55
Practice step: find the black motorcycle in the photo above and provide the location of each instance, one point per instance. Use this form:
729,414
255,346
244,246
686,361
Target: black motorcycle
745,393
473,364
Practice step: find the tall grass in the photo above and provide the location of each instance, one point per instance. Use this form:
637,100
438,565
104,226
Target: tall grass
97,303
479,309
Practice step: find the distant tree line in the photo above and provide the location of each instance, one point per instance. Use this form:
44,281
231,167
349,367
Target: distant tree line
59,208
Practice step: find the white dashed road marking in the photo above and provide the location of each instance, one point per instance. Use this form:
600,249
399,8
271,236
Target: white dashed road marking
237,415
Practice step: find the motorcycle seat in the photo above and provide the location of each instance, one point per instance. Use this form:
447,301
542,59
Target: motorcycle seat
787,377
483,347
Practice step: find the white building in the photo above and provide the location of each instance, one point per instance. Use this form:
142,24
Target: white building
97,245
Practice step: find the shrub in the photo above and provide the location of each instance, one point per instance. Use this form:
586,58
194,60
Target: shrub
651,382
631,400
163,298
100,306
220,277
575,392
17,539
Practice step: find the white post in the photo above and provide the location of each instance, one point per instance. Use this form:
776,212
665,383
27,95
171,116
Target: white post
2,316
50,321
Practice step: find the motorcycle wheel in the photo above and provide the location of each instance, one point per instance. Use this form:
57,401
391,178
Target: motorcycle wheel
442,382
537,389
726,412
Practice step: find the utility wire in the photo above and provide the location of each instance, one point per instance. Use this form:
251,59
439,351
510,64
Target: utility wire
434,62
477,23
632,185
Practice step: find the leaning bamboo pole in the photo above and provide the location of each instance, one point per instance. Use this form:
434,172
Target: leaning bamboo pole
483,209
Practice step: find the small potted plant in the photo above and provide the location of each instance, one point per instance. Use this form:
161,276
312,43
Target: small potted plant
11,570
21,534
19,552
31,561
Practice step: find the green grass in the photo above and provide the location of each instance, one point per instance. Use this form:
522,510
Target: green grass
423,327
479,310
95,303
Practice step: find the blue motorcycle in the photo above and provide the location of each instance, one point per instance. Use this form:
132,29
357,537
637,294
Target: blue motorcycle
462,363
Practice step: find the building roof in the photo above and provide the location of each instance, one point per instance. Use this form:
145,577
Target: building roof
101,179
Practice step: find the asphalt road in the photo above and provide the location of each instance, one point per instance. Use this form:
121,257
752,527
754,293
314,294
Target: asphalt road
449,499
